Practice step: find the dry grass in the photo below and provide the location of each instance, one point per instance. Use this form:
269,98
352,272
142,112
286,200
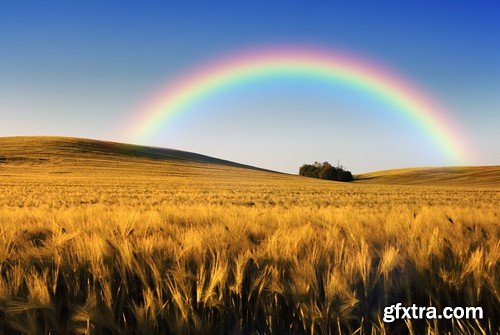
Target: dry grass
95,241
459,176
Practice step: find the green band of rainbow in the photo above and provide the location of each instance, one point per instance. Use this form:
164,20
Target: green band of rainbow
306,62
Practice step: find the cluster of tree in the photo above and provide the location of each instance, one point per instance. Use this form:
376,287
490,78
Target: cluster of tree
325,171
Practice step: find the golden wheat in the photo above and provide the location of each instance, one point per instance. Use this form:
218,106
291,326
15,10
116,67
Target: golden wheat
97,246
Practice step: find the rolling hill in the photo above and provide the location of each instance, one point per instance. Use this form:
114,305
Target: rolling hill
47,149
24,156
485,176
77,156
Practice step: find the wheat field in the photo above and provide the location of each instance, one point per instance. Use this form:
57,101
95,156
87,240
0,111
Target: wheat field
101,238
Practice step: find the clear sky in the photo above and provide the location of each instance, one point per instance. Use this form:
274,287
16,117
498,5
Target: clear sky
81,68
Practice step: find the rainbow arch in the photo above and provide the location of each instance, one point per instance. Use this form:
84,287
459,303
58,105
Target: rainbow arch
331,65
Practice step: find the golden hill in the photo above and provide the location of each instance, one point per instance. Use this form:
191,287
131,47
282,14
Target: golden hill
51,149
484,176
86,157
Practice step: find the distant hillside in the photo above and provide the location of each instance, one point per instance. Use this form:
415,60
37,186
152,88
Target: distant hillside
27,156
77,158
46,147
487,176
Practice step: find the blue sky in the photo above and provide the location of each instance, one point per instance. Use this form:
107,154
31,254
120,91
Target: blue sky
79,68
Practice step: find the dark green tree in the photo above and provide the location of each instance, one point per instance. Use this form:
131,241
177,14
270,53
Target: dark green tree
325,171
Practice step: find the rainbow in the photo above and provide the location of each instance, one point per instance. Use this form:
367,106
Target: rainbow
305,62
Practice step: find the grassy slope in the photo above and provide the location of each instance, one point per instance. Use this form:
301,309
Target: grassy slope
484,176
75,156
38,149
